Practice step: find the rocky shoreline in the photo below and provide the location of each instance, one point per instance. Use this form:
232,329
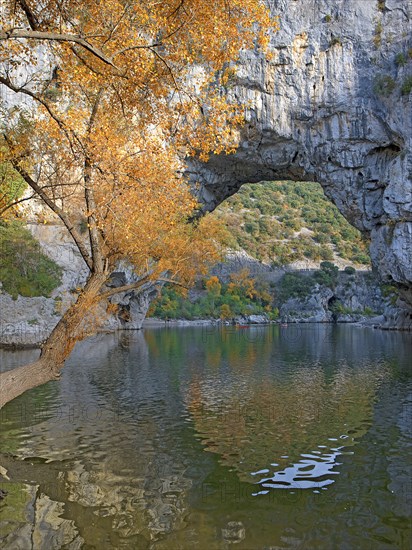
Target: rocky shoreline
378,322
27,322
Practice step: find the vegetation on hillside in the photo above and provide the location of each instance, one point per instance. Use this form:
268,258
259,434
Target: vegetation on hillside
24,269
282,222
296,285
243,295
12,186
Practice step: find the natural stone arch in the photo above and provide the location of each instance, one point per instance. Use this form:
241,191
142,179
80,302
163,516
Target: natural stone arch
315,113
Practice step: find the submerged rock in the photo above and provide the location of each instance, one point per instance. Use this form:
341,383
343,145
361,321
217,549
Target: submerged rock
234,532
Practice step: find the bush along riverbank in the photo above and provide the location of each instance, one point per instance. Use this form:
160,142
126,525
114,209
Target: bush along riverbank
320,296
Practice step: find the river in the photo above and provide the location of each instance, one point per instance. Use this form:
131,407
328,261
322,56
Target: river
180,438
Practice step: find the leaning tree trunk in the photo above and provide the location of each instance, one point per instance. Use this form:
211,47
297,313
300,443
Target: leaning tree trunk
77,323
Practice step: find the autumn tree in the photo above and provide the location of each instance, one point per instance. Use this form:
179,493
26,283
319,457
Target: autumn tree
103,101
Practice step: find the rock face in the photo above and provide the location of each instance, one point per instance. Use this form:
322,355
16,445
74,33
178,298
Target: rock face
314,309
356,298
28,321
332,105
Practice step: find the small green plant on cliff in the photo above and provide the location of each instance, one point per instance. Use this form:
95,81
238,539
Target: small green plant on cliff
24,269
406,88
384,85
400,59
377,39
338,308
390,292
381,5
328,18
335,41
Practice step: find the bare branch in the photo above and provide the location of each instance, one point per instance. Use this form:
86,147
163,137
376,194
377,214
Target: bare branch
95,246
139,47
60,213
125,288
31,18
51,36
138,284
15,203
172,282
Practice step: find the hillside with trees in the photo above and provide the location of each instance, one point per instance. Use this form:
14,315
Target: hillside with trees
282,222
277,223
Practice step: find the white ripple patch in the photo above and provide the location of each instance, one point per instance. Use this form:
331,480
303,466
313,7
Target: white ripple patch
314,471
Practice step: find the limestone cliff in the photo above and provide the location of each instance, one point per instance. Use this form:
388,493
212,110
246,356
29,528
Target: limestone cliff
29,321
355,298
332,105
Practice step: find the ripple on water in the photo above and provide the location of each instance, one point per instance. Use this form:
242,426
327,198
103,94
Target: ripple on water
312,471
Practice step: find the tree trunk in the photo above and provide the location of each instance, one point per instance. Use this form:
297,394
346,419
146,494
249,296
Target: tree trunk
79,321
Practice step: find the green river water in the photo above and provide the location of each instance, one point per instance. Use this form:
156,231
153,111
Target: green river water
206,438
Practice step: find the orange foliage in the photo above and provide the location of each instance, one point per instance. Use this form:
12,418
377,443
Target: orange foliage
241,282
123,92
213,286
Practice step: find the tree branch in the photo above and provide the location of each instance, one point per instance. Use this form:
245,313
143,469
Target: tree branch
31,18
137,284
60,213
89,195
56,37
15,203
21,90
125,288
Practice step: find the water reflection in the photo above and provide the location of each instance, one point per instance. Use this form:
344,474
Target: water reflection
182,438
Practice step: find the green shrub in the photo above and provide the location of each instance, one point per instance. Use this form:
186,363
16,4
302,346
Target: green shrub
339,308
24,269
327,275
326,254
406,88
377,39
350,270
400,59
384,85
294,285
335,41
12,185
391,292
